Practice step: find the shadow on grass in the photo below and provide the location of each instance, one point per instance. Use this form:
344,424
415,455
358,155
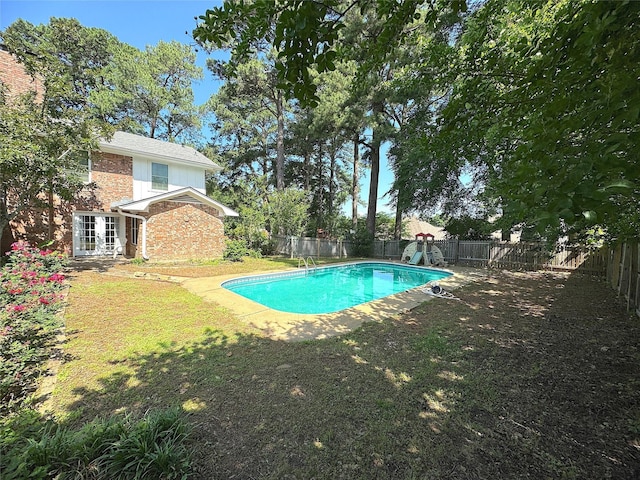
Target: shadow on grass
527,376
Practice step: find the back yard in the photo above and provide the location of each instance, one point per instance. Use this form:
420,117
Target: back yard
526,375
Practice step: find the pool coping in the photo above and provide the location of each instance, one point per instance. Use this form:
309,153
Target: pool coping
285,326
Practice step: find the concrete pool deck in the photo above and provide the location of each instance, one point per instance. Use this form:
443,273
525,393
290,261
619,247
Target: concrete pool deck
293,327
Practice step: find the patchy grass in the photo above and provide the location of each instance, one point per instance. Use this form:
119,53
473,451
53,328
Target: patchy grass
526,376
219,267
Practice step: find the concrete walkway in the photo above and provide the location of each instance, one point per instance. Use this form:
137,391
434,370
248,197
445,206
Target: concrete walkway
297,327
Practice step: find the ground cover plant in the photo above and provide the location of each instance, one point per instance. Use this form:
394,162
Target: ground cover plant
524,376
114,448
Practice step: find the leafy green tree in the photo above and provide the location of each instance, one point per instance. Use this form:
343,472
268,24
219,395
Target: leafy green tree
262,51
425,69
371,97
40,137
152,91
548,102
246,125
71,59
307,34
385,226
469,228
437,220
304,34
250,226
319,139
288,211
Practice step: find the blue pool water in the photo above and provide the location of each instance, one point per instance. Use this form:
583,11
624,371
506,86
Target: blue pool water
329,289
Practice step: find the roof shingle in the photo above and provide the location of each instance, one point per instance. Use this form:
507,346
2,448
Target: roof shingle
129,142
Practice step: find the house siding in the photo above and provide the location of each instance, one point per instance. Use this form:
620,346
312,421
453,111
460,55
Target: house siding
179,176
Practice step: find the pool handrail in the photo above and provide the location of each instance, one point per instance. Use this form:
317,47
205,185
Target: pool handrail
306,262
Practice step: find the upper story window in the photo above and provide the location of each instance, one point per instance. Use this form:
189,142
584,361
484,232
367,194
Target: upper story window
159,176
81,166
84,166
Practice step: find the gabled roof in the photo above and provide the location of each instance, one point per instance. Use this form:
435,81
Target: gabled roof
184,195
128,144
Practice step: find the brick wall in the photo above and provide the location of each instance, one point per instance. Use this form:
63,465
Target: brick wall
16,79
114,176
183,231
39,225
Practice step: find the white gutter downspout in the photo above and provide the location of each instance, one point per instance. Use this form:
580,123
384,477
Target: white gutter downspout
144,230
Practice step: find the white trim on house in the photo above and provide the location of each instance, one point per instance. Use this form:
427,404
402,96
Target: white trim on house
184,195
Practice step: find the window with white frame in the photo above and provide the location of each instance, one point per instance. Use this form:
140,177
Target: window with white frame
159,176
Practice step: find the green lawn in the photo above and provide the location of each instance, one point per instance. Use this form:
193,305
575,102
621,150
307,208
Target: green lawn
525,376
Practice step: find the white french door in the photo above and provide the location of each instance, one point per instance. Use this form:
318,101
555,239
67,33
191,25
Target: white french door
97,234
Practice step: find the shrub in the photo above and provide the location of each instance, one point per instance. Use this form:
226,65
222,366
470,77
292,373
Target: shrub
362,242
31,284
115,448
268,248
235,250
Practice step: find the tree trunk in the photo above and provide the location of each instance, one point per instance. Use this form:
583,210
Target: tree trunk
332,175
51,213
355,188
397,231
373,184
307,171
320,193
280,143
152,127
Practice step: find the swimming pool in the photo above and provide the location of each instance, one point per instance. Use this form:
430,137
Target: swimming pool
332,288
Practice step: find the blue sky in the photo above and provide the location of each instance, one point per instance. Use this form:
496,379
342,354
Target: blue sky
146,22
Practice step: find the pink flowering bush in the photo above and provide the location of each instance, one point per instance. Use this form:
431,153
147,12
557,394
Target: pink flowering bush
31,285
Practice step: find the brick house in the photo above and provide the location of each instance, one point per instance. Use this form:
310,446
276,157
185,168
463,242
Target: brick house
146,199
149,202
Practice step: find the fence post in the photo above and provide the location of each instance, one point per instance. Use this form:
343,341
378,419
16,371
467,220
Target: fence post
490,254
637,305
633,277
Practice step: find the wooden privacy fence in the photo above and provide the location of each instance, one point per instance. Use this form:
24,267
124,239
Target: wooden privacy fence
532,256
510,256
312,247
